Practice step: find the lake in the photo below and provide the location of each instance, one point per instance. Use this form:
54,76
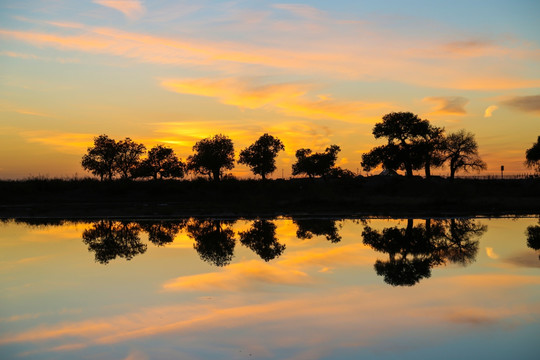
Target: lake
285,288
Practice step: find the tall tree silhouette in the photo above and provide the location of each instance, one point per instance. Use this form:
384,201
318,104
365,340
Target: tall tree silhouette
307,228
128,157
532,156
461,152
110,239
315,164
403,130
162,163
100,159
261,238
212,156
214,240
261,155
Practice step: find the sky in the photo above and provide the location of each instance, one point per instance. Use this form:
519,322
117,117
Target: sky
311,73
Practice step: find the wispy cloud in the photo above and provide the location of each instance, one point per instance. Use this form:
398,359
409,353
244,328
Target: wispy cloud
524,103
71,143
489,111
452,105
133,9
288,98
300,10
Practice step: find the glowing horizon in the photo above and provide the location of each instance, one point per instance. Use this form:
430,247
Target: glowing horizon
312,74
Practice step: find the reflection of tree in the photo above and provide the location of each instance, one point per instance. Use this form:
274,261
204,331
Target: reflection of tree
307,228
162,232
533,237
457,245
261,238
414,250
109,239
214,240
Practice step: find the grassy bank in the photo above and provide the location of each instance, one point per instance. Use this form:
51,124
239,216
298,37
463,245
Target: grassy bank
387,196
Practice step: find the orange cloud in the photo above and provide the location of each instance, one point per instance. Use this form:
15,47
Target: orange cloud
132,9
489,111
71,143
290,99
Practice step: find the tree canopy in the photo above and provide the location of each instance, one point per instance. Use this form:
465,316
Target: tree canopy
162,163
405,132
212,156
461,152
128,154
532,156
315,164
261,155
100,159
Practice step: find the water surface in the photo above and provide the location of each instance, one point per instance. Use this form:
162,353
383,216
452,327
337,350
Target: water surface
270,289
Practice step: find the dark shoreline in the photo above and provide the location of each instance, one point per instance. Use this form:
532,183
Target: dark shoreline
336,198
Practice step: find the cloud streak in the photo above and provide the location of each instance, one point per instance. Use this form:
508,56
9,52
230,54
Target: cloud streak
288,98
524,103
449,105
132,9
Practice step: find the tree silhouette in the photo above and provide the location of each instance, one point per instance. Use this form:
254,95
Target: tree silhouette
261,239
532,156
162,232
261,155
430,148
128,154
315,164
214,240
110,239
162,163
100,159
403,130
212,155
307,228
461,152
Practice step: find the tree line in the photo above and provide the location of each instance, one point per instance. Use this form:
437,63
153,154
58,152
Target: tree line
412,144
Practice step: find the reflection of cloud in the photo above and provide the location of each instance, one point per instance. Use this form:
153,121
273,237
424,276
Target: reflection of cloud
491,253
244,275
302,318
289,99
489,111
454,105
132,9
527,259
524,103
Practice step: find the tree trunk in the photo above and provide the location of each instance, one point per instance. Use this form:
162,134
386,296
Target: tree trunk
427,168
216,174
408,169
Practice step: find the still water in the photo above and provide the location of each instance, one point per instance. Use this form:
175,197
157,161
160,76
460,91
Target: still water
270,289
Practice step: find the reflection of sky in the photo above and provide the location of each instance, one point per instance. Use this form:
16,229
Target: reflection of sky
317,300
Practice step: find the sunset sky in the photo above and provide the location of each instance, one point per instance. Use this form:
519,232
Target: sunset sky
312,73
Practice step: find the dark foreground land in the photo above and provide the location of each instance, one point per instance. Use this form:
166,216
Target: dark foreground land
373,196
